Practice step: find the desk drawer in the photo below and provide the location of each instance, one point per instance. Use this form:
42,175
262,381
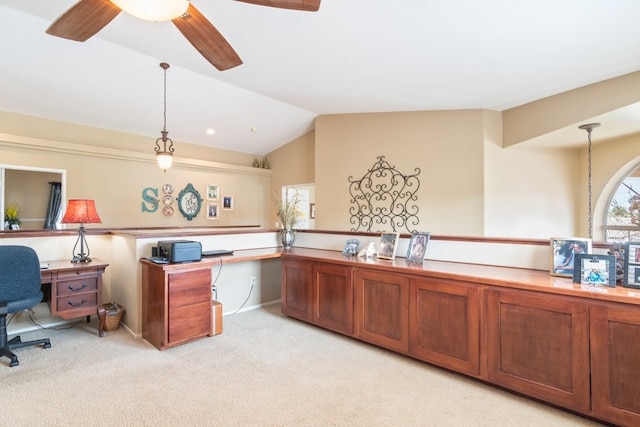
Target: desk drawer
77,274
79,285
80,301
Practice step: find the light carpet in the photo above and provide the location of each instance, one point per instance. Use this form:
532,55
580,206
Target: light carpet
264,370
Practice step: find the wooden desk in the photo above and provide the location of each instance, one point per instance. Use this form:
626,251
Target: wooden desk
75,289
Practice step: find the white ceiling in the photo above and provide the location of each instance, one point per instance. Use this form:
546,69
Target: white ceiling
350,56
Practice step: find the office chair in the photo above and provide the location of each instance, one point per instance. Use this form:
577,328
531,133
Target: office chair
19,290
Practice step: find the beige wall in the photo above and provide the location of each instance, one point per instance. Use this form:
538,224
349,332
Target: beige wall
291,164
116,179
470,184
565,109
447,147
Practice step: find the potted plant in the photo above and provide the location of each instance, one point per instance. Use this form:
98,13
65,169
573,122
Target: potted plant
12,221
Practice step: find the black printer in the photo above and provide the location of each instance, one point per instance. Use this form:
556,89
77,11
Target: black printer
180,250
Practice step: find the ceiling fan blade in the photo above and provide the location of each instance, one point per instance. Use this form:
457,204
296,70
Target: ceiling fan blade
206,39
84,19
307,5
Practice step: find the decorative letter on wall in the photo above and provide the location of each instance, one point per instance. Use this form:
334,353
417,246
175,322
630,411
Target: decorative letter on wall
150,196
384,197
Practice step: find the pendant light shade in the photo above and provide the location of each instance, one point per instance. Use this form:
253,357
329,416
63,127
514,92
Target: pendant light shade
164,144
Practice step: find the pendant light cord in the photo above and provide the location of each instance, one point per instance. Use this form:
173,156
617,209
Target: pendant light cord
589,127
589,186
164,67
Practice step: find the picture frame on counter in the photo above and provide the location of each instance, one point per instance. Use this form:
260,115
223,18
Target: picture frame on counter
417,247
563,251
351,247
631,277
595,270
388,245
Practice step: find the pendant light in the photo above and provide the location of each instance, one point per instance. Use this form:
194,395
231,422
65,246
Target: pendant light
164,155
589,127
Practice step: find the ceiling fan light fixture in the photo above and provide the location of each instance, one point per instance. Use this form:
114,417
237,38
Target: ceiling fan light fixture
153,10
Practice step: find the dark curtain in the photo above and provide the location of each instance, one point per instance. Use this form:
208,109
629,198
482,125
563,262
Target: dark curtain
53,210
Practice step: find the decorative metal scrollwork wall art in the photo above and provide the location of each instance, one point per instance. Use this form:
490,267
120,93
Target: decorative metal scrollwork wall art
384,199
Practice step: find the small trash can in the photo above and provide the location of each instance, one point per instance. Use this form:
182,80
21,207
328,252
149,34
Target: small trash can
114,313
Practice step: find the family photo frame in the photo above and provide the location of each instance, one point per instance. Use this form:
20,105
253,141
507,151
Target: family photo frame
631,278
213,192
212,211
417,247
351,247
388,245
595,270
227,203
563,252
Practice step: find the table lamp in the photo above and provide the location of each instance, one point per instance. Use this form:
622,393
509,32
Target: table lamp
83,212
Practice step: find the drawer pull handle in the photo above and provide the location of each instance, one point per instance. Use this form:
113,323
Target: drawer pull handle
78,305
72,289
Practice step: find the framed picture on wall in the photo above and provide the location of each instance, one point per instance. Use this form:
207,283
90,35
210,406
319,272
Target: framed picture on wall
212,211
417,247
227,203
388,245
563,254
212,192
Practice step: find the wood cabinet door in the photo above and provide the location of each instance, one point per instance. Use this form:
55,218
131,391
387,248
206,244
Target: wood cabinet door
444,324
382,309
189,302
333,297
539,345
296,289
615,363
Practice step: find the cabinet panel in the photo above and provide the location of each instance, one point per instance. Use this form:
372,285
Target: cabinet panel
189,287
382,309
333,297
444,324
188,322
539,345
296,289
615,355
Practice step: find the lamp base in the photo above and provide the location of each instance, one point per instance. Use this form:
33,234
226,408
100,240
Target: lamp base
81,258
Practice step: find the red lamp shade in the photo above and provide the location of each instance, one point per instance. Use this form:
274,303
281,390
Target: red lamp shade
81,211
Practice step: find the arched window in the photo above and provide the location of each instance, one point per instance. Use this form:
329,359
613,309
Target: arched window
623,214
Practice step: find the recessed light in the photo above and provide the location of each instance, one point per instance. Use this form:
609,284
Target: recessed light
210,131
254,129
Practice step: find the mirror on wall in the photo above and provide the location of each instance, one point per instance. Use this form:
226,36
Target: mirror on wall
28,189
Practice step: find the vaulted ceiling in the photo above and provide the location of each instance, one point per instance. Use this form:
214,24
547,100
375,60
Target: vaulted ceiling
351,56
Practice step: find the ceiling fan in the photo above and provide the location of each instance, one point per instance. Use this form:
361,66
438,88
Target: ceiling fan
87,17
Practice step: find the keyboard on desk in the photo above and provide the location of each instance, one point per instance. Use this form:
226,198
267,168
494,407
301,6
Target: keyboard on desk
216,252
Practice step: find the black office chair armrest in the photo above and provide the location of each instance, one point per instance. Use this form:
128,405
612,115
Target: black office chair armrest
3,308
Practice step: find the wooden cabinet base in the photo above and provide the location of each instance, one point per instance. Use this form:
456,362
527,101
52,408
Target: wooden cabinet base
577,350
176,303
